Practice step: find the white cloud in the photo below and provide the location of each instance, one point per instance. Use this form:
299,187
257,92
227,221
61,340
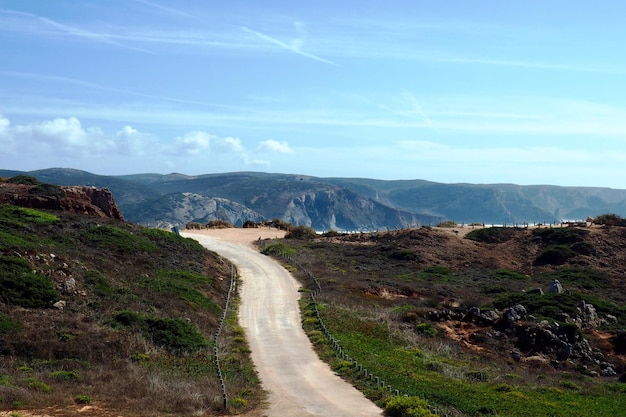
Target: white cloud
66,137
274,146
192,143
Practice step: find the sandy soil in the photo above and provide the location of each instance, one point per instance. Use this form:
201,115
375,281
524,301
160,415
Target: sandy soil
240,236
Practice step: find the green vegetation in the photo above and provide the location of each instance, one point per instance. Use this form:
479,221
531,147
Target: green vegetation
115,238
183,285
492,234
301,232
610,220
100,346
407,407
175,335
378,291
9,325
83,399
23,179
448,223
64,375
20,286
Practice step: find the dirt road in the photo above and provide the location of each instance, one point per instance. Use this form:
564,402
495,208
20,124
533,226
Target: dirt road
300,385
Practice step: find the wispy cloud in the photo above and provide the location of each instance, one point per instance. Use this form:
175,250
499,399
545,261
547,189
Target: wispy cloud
168,10
294,46
62,28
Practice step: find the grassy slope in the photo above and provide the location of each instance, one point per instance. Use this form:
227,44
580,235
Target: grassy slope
377,291
136,334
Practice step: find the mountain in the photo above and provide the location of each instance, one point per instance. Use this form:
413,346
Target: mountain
336,203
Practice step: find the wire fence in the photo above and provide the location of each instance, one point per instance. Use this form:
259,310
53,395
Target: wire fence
220,327
366,373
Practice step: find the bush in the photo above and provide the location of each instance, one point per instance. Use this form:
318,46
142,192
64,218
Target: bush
407,407
555,255
560,236
277,249
24,179
9,325
83,399
610,220
427,329
23,288
64,375
492,234
175,335
448,223
302,233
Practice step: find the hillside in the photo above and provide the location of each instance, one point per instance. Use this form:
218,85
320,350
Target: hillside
111,318
472,320
344,204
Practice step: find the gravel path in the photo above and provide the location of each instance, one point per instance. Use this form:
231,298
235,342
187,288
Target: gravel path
300,385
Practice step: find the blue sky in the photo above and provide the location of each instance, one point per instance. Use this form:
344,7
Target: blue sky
527,92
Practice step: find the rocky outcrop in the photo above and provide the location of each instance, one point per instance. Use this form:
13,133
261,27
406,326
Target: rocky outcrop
75,199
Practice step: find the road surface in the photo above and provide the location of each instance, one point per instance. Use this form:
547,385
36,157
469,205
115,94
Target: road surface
299,383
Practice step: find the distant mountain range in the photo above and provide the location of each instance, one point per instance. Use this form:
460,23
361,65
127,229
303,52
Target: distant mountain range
335,203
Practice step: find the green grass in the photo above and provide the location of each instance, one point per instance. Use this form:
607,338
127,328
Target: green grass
118,239
183,285
11,215
370,343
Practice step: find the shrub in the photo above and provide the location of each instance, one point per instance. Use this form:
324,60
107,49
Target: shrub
64,375
277,249
427,329
610,220
404,255
400,406
24,179
438,271
175,335
9,325
23,288
220,224
82,399
36,385
560,236
555,255
47,190
448,223
492,234
302,233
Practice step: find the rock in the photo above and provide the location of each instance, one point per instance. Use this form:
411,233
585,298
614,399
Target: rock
515,313
608,372
59,305
590,318
76,199
488,318
611,319
555,287
472,313
69,286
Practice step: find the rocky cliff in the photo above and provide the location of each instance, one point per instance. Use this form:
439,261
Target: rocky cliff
76,199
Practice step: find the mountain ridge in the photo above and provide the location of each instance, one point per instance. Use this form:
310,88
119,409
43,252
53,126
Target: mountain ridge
346,204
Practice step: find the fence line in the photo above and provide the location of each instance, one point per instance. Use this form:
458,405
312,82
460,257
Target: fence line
362,370
219,332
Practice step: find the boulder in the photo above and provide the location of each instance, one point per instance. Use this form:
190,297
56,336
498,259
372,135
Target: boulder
555,287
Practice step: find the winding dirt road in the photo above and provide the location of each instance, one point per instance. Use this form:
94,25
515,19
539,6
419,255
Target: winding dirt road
300,385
